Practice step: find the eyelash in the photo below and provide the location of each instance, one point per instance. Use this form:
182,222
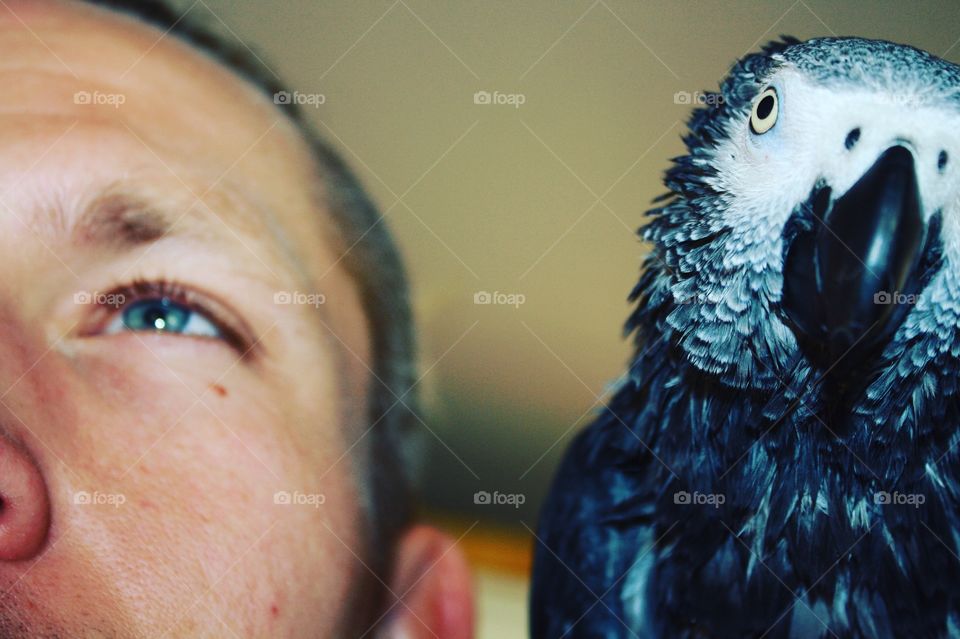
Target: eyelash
233,332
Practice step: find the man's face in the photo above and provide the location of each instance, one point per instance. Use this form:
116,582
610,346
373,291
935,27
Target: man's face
180,350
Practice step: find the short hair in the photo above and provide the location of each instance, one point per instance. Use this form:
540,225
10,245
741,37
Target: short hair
371,258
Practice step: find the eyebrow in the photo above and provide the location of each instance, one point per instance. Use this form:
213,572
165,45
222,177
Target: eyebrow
122,220
126,215
131,214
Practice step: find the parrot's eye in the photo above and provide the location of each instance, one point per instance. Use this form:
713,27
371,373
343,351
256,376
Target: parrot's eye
764,113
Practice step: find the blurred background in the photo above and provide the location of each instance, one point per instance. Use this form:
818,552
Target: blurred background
513,148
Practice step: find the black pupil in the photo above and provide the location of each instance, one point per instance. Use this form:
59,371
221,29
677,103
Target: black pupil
155,313
765,107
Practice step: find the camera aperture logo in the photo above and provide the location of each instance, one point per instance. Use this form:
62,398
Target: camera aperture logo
683,498
299,298
496,298
314,100
883,498
496,498
297,498
496,98
96,498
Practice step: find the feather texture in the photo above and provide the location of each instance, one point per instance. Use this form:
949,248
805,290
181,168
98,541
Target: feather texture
726,491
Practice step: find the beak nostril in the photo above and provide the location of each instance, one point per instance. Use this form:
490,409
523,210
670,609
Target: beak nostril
942,161
852,138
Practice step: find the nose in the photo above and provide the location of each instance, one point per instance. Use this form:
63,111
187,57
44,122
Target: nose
24,504
852,256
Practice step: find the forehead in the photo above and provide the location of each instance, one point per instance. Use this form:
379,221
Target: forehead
78,74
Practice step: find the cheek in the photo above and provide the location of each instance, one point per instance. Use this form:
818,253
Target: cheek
239,520
221,506
764,178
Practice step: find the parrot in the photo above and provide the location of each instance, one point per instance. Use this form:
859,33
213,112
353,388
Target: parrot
781,458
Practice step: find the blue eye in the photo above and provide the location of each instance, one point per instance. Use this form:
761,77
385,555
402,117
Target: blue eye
162,315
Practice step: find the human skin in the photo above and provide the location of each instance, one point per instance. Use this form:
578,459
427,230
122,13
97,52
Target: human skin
181,441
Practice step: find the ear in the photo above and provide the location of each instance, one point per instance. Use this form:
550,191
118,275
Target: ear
432,580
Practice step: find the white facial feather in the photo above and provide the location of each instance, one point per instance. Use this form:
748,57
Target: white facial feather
767,175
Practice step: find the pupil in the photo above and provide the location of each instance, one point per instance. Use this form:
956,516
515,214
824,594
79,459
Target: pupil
765,107
156,317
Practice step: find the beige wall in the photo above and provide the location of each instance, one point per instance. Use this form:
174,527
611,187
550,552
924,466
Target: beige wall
540,200
487,197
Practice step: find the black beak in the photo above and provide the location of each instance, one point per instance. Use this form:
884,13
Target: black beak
850,265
